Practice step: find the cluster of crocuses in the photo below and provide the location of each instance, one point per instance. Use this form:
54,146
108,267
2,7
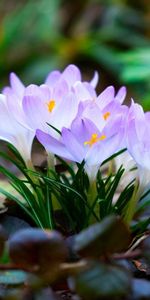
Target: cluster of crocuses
72,121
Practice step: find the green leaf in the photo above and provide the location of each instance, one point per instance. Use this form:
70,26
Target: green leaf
111,189
53,127
113,156
103,281
109,236
140,226
124,198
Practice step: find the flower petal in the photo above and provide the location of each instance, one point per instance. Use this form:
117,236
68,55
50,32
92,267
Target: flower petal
53,145
52,78
65,112
16,84
75,149
81,91
95,79
105,97
121,94
36,112
71,74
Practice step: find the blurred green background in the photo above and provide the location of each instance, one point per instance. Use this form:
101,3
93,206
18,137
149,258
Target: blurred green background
110,36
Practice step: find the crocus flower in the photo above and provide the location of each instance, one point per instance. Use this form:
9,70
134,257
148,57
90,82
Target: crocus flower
56,107
105,108
138,141
14,133
105,100
54,98
71,75
56,102
138,145
14,95
84,141
138,136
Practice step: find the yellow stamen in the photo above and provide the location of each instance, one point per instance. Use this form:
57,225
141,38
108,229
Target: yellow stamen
50,105
94,139
106,115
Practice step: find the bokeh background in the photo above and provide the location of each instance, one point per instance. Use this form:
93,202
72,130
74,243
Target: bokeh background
111,36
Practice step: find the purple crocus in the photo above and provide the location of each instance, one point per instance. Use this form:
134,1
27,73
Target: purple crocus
35,106
84,141
138,145
53,102
71,75
56,102
14,95
14,133
105,108
138,142
43,106
138,135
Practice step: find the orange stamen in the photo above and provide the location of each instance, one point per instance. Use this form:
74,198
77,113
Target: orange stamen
106,115
50,105
94,139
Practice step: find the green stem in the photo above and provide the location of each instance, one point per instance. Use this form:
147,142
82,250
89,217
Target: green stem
51,167
30,167
51,161
40,212
91,199
131,207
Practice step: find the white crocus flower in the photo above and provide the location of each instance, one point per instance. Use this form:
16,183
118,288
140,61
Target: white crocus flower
14,133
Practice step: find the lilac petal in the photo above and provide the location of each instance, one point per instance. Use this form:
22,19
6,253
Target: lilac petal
2,98
95,79
14,104
91,127
53,78
45,92
133,141
32,89
71,74
53,145
6,90
95,155
13,132
6,123
114,125
90,89
73,146
16,84
136,113
105,97
81,91
93,113
115,108
65,112
36,112
82,129
103,149
7,137
120,96
147,116
60,90
81,107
